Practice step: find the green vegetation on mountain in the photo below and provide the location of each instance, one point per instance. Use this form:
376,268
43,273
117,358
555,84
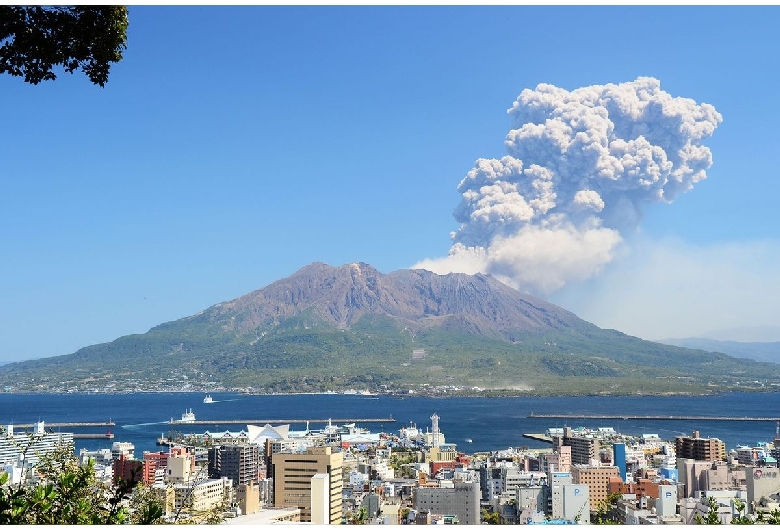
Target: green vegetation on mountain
332,328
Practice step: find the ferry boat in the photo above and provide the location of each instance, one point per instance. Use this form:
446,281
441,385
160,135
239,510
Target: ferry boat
187,417
208,399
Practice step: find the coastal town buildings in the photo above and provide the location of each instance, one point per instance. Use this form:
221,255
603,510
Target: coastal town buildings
328,475
183,487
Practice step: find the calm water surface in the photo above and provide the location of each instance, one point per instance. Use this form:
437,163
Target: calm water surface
491,423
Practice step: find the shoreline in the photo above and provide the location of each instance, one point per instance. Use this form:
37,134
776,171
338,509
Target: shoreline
432,395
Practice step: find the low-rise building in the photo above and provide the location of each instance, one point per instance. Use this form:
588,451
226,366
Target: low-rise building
247,498
459,499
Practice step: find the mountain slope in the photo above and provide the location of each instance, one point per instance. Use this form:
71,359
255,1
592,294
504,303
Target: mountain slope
757,351
341,296
330,327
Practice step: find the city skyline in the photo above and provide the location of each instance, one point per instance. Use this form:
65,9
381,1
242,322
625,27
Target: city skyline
232,146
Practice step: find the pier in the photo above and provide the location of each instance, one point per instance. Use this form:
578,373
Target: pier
263,422
648,417
538,437
93,436
55,425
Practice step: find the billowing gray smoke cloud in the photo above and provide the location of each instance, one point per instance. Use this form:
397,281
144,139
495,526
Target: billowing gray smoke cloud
579,167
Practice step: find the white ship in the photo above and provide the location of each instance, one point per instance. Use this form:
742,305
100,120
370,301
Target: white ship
187,417
208,399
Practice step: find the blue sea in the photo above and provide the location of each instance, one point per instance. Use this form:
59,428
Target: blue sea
490,423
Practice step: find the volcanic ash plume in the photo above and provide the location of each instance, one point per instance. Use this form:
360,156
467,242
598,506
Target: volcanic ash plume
580,165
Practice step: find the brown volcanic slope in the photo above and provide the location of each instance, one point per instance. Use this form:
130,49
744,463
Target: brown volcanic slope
330,327
479,305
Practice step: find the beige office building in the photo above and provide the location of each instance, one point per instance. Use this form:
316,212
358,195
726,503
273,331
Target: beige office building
248,498
597,479
292,480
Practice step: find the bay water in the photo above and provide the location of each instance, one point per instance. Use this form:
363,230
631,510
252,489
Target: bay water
473,424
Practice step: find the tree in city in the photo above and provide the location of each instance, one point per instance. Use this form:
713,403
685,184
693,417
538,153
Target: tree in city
761,517
490,517
741,517
36,39
358,517
607,512
66,492
712,516
60,490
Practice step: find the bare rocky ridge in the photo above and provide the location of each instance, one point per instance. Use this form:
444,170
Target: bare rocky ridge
419,298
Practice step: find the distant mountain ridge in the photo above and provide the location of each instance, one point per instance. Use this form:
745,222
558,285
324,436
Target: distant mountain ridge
330,328
757,351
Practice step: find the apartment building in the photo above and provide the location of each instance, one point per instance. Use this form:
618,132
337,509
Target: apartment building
584,449
698,448
16,447
241,463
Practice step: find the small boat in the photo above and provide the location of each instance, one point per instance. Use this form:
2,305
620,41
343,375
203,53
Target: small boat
469,440
208,399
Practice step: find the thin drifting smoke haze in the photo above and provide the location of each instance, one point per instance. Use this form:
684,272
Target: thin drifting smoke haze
580,167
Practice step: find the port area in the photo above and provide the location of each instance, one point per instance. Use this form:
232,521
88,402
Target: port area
55,425
648,417
282,421
538,437
95,436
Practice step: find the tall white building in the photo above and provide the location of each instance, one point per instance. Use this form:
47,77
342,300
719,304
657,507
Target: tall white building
576,503
556,481
123,449
26,449
435,442
320,499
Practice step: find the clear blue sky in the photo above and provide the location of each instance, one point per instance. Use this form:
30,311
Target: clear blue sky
234,145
